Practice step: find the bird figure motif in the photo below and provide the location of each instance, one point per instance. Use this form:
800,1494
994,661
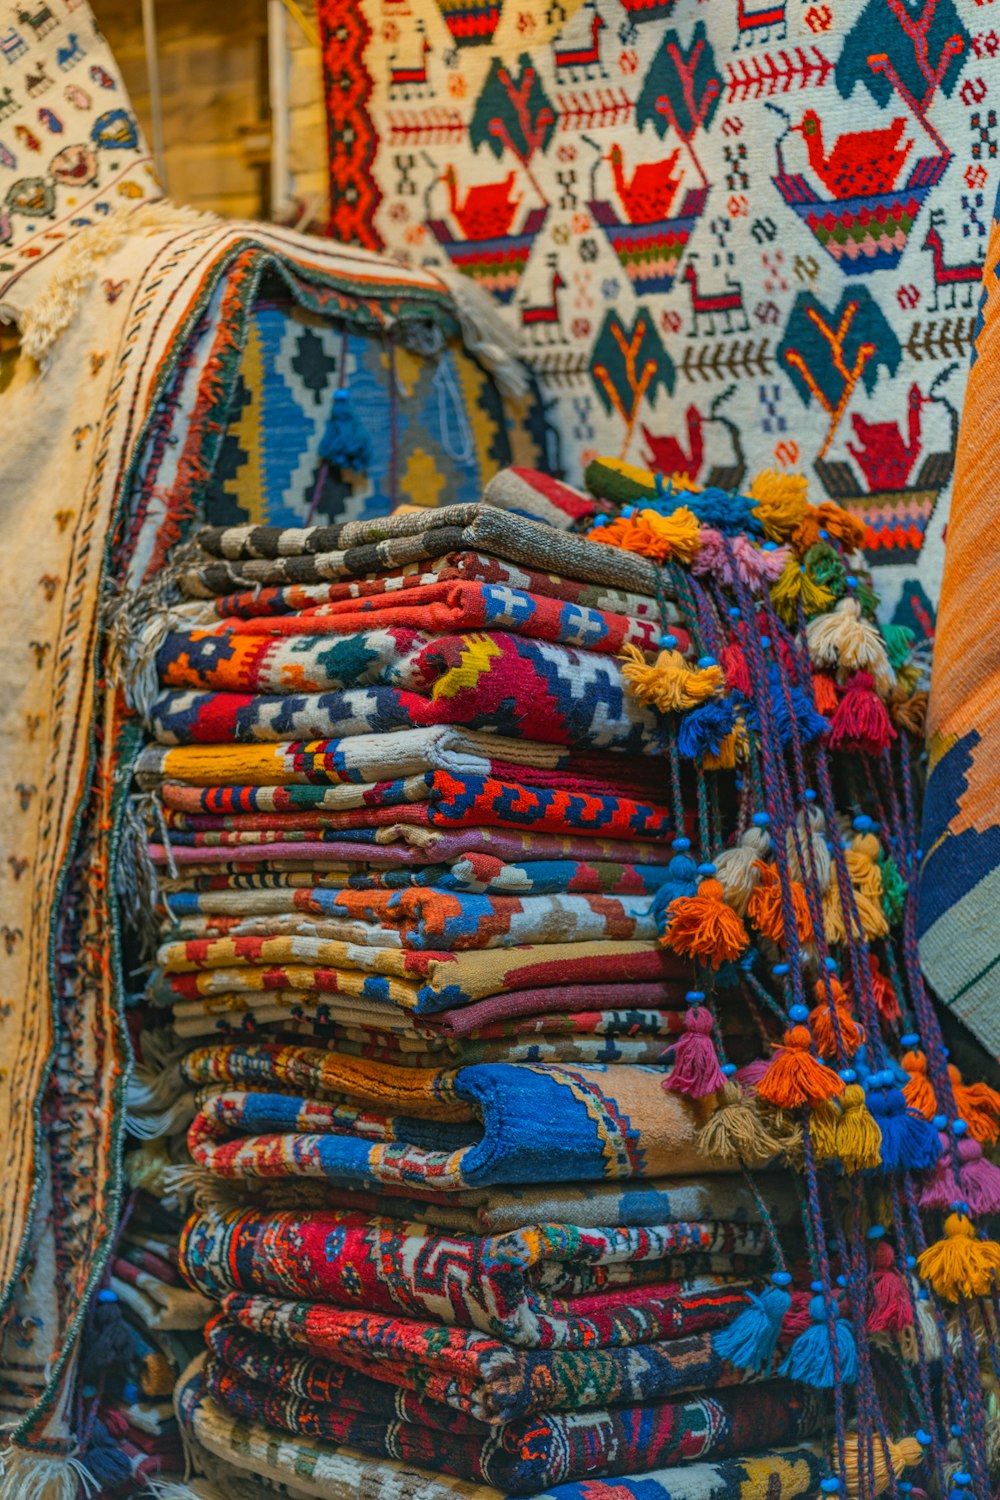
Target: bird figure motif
487,211
666,454
884,456
647,195
860,162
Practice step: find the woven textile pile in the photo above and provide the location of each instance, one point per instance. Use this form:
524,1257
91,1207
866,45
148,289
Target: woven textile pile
526,905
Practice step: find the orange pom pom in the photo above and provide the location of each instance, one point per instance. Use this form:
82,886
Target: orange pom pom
825,694
979,1106
764,908
795,1077
918,1092
704,927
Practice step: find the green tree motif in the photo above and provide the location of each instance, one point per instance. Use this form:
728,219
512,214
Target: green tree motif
682,90
827,355
628,366
513,113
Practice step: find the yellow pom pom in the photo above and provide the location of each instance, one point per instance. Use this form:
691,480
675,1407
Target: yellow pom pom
669,683
794,584
880,1461
680,531
859,1140
960,1265
781,502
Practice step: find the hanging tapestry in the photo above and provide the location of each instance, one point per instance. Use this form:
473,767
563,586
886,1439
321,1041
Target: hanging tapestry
729,237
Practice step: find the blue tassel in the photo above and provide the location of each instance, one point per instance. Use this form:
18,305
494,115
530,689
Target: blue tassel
682,880
810,1359
108,1463
108,1346
345,443
704,728
751,1339
730,514
909,1142
796,707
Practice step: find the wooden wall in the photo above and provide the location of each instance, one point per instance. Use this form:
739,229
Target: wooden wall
216,113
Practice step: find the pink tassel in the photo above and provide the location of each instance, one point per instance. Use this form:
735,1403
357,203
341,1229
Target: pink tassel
978,1178
711,553
862,720
734,664
696,1071
941,1190
754,565
891,1310
750,1075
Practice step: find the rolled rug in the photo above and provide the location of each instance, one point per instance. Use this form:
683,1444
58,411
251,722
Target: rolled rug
550,1285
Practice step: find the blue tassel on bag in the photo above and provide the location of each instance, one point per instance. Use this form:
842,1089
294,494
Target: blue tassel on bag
751,1339
345,443
810,1359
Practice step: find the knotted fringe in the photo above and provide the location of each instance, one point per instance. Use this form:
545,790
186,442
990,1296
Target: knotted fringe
28,1475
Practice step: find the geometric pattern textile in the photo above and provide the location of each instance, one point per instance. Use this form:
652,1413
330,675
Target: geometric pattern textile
728,237
960,879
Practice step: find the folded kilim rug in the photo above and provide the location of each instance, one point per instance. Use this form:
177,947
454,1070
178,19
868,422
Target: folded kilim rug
490,872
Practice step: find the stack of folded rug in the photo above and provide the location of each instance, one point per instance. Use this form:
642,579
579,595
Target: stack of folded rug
493,862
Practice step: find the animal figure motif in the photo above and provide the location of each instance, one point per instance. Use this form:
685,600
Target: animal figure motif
25,791
543,317
8,104
966,274
74,166
646,196
666,454
576,60
41,20
37,83
69,54
487,210
75,95
12,45
860,162
408,77
707,306
884,455
101,77
28,138
755,24
51,121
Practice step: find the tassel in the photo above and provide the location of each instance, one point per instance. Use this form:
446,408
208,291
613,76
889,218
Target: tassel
918,1092
29,1474
940,1189
862,721
106,1460
825,694
795,585
810,1359
825,566
859,1140
870,924
909,1142
979,1179
751,1339
705,928
702,731
696,1072
752,1072
738,869
781,502
883,993
978,1105
734,664
795,1077
668,683
821,1020
735,1133
823,1123
794,712
765,911
846,642
345,444
891,1311
882,1462
108,1345
894,891
648,534
899,641
682,880
960,1266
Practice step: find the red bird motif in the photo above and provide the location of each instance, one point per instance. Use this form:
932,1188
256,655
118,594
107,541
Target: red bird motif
667,456
487,211
861,162
884,456
647,195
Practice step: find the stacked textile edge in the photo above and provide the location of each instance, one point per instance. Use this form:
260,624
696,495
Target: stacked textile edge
526,904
